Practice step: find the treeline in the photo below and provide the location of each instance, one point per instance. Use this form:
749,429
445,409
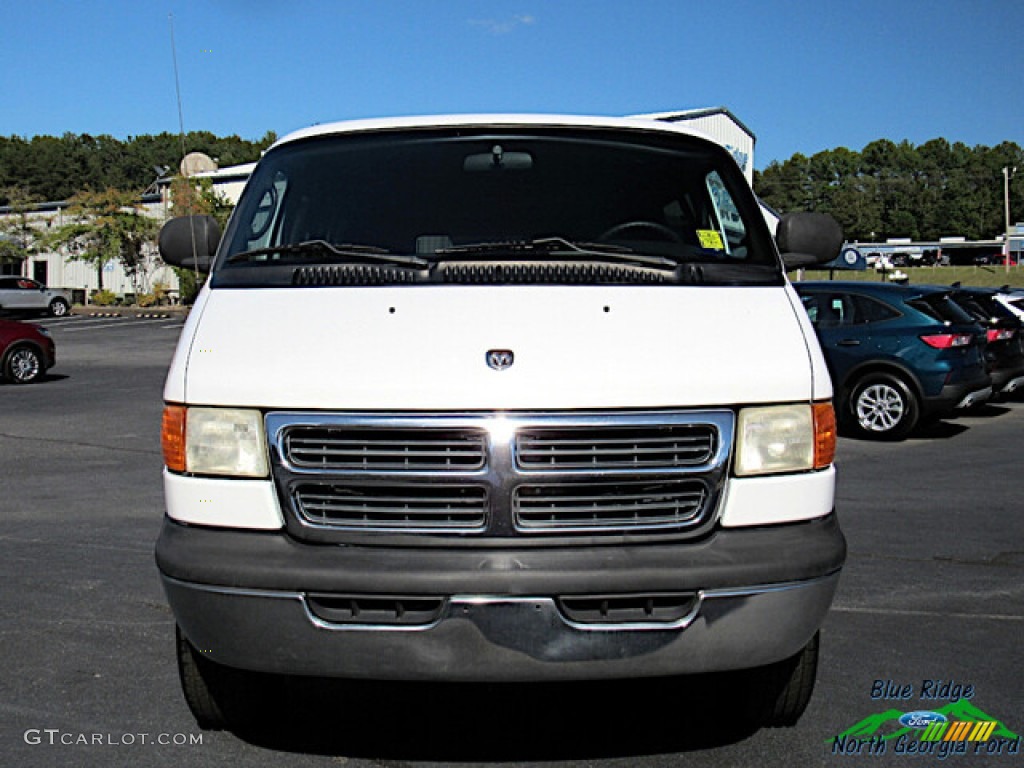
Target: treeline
925,192
48,168
887,190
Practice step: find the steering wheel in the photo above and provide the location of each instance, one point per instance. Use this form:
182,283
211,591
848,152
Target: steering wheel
618,229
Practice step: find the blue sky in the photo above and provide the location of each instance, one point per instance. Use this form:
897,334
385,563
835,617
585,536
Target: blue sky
803,75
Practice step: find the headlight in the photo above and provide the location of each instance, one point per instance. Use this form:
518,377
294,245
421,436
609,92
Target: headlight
215,441
784,438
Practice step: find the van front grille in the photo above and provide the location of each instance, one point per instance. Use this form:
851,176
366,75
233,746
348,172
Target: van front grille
339,447
604,506
667,446
500,475
408,507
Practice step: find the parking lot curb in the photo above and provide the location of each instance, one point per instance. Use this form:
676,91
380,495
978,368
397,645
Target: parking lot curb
132,312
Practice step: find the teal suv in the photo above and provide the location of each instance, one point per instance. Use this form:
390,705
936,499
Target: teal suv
896,353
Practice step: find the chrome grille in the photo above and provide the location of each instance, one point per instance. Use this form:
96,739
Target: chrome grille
620,506
615,447
384,449
403,507
500,475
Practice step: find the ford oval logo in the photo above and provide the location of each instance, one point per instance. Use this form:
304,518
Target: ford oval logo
921,719
500,359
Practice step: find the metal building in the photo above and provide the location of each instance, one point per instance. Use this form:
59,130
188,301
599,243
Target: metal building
723,126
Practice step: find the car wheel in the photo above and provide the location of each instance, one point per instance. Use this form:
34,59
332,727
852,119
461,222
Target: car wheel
223,697
883,407
59,307
23,365
778,694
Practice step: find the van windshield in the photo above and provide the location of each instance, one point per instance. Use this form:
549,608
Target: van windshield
480,206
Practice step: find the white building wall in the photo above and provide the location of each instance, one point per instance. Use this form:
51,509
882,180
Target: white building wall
721,126
64,272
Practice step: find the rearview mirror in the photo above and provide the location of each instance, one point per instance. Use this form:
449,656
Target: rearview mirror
806,239
190,241
498,160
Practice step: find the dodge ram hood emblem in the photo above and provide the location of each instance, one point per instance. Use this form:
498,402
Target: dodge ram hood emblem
500,359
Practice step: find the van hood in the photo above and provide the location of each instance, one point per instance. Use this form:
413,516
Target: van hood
426,348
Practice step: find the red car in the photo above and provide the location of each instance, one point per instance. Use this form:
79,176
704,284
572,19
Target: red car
26,351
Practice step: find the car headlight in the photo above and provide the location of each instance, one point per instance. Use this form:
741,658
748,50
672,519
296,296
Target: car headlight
784,438
215,441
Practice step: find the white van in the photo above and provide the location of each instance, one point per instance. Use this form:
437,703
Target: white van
498,398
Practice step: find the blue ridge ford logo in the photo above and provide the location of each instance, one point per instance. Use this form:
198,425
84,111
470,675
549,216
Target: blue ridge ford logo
921,719
500,359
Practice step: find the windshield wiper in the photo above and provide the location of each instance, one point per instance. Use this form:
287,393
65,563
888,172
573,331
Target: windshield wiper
559,246
347,251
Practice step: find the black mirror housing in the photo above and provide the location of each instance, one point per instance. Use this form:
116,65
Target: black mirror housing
190,242
806,239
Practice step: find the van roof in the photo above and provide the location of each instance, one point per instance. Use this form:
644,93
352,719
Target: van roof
490,120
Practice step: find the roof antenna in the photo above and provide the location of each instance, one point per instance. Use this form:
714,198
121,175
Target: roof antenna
181,133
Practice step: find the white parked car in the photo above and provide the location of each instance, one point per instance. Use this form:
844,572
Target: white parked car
1013,301
23,294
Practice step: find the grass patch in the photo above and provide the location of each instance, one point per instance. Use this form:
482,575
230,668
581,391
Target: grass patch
982,276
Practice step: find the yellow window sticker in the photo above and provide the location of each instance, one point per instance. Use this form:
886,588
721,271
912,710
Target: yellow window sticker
711,239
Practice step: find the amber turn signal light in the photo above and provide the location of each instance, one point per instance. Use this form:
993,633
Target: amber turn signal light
172,437
824,434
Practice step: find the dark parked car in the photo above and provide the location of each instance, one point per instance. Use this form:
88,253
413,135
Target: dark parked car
26,351
1005,351
896,353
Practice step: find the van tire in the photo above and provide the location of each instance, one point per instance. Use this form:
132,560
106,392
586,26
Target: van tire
882,407
200,678
778,694
221,697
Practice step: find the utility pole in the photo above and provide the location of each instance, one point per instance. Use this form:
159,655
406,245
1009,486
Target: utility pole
1007,173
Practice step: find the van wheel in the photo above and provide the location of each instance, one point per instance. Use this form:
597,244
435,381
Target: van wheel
778,694
883,407
222,697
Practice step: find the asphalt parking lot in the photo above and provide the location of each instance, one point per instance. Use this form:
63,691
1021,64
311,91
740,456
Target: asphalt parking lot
930,608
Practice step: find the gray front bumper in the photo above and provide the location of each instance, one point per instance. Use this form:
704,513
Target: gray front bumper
500,638
256,600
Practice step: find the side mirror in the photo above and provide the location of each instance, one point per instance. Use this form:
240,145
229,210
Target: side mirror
806,239
190,241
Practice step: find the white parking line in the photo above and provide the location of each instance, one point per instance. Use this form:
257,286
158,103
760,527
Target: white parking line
931,614
78,320
56,322
94,327
123,322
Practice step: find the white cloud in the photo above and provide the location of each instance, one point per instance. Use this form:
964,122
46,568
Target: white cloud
504,26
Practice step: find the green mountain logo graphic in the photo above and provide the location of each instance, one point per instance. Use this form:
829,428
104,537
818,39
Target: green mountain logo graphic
886,725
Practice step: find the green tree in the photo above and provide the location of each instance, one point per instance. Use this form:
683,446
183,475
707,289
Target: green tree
196,197
18,238
55,168
891,189
107,226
